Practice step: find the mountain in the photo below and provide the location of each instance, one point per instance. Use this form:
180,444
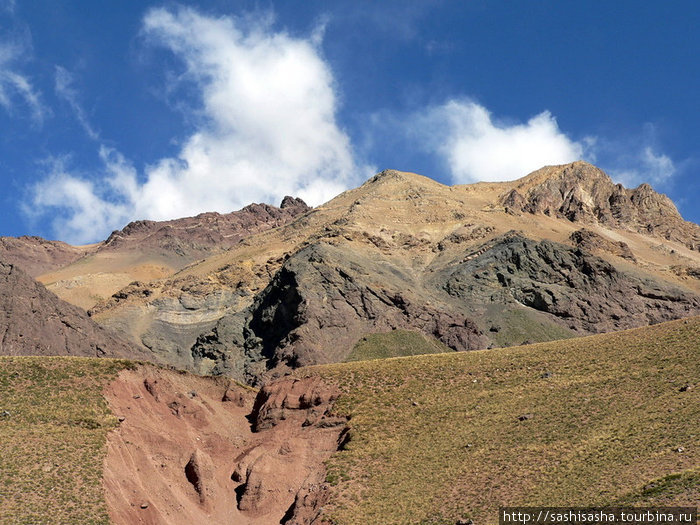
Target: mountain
400,266
560,253
36,322
142,250
464,265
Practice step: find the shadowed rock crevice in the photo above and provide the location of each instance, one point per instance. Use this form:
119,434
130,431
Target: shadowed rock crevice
198,472
296,410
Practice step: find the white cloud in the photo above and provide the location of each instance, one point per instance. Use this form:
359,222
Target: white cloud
267,129
14,85
644,166
64,89
476,148
79,198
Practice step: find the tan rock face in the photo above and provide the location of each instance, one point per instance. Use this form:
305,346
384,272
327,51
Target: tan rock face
581,192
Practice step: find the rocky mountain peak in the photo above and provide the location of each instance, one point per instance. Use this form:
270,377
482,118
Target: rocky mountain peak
399,179
193,237
581,192
294,202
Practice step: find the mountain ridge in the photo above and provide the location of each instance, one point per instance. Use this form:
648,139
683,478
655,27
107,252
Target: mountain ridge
382,256
562,252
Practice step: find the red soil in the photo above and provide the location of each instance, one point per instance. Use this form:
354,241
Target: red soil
185,451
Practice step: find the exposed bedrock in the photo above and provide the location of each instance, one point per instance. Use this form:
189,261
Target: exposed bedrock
578,289
322,300
580,192
185,452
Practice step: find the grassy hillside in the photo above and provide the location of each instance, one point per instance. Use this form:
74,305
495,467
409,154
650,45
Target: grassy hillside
53,425
610,419
600,420
396,343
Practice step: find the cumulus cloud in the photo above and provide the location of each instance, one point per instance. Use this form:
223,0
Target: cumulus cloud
475,147
80,200
16,88
266,128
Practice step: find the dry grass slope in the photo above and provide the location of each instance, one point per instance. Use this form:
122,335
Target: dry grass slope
53,425
591,421
397,343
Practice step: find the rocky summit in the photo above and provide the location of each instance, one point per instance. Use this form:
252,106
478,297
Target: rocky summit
560,253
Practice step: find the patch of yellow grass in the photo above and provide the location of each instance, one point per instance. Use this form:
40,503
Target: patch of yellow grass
582,422
53,426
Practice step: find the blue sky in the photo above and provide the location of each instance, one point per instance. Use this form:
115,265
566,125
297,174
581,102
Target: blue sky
119,110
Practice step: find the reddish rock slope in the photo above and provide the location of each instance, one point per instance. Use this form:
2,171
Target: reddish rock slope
33,321
194,237
201,450
37,256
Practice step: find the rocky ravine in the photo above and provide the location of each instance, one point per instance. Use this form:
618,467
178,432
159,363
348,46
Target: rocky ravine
36,322
201,450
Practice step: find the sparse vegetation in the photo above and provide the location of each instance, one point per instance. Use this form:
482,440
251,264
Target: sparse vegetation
516,325
589,421
672,490
396,343
53,424
602,420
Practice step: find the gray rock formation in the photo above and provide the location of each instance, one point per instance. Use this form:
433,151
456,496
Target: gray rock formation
579,290
324,298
